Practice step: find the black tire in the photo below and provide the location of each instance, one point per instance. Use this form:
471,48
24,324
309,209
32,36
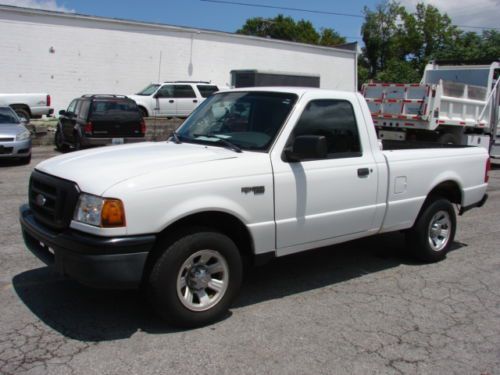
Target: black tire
59,141
423,240
449,139
166,294
144,113
78,143
26,160
22,113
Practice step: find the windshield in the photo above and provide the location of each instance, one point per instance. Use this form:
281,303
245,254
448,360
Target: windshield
248,120
8,116
114,108
149,90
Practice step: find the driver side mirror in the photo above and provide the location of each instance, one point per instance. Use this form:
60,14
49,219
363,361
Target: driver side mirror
307,147
62,112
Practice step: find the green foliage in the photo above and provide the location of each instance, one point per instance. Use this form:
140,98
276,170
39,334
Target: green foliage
399,44
285,28
330,37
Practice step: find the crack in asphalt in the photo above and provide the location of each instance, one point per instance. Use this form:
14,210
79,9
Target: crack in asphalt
33,345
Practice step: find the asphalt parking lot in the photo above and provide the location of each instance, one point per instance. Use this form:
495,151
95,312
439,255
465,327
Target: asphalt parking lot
362,308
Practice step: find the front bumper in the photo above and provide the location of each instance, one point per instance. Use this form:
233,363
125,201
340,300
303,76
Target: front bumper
102,262
15,149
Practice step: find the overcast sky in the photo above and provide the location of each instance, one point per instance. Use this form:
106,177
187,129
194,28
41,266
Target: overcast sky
226,17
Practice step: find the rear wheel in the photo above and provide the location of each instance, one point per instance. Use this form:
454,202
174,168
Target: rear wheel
78,143
195,280
144,113
22,113
434,231
449,139
58,141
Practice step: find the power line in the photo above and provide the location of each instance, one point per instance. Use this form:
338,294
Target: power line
283,8
227,2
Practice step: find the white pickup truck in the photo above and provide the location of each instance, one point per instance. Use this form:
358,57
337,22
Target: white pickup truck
28,105
252,174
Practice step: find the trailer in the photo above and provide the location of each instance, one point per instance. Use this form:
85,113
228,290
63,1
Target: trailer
259,78
455,104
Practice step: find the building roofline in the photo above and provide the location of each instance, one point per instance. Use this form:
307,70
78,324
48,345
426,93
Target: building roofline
162,26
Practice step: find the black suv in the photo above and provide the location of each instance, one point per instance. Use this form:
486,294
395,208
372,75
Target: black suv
96,120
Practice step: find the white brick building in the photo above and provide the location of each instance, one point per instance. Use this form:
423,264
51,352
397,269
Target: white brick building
68,55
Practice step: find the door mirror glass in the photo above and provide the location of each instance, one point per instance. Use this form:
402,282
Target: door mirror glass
307,147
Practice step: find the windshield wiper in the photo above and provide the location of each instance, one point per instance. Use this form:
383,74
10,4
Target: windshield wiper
220,140
176,137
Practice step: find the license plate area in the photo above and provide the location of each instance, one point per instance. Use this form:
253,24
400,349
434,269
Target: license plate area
117,141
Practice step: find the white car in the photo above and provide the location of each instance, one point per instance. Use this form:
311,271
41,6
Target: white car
28,105
252,174
172,99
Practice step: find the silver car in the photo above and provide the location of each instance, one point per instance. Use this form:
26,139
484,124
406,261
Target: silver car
15,139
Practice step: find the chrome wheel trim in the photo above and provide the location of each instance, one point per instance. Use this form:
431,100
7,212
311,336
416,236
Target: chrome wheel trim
439,231
202,280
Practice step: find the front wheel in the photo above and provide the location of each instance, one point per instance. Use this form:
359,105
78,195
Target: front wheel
195,280
58,141
434,231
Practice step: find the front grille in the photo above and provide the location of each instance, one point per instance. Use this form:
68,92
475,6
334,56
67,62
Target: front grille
3,139
52,199
6,150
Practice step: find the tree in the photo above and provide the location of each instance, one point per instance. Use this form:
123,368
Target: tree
330,38
382,35
286,28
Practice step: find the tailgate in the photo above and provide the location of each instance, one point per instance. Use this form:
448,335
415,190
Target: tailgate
116,127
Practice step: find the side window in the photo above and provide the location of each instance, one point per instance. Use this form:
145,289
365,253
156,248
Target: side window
207,90
184,91
72,106
166,91
78,106
335,120
84,110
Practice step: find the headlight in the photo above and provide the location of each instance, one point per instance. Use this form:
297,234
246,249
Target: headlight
23,135
100,212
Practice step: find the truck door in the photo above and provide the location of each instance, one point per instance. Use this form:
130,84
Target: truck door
319,200
68,120
186,99
165,101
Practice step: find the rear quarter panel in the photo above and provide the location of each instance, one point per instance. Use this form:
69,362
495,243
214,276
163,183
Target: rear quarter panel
413,174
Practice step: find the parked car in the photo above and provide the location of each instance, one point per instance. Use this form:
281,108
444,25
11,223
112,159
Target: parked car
97,120
15,139
252,174
28,105
173,99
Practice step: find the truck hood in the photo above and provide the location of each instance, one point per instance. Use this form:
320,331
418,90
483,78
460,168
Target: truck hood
96,170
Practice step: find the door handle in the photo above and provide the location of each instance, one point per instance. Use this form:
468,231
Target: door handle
363,172
171,101
195,101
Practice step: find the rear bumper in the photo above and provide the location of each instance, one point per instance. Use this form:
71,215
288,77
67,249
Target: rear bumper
481,203
40,111
102,262
87,141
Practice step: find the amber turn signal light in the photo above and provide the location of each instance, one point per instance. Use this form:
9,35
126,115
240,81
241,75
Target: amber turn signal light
112,214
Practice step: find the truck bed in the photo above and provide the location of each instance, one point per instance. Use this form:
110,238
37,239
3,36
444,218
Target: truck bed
390,145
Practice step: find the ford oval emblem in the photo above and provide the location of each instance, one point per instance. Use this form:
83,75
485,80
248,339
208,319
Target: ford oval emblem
40,200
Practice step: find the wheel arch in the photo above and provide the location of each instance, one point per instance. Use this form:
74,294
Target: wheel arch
21,106
223,222
449,189
143,108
